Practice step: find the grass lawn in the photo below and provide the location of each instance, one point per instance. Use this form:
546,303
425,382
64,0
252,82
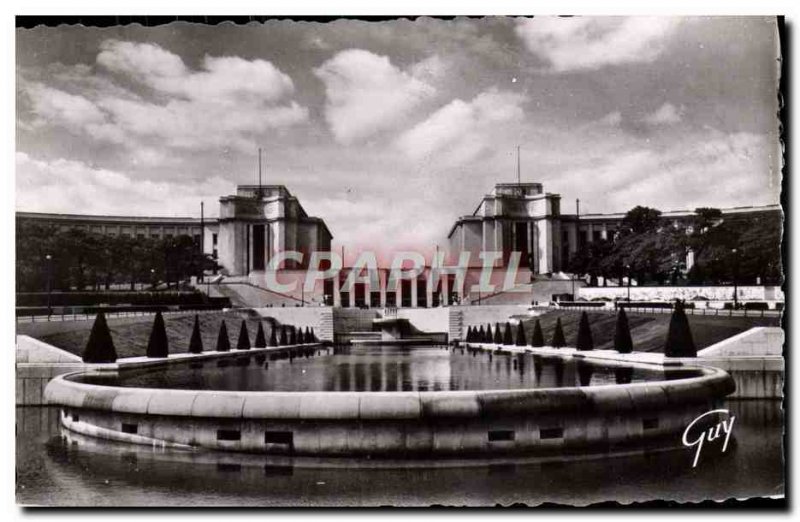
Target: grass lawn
649,331
132,334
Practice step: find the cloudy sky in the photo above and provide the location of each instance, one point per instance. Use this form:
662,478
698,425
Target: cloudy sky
391,130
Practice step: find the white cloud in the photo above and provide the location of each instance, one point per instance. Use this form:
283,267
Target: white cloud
224,80
459,131
73,186
227,104
578,43
667,114
53,105
736,165
367,94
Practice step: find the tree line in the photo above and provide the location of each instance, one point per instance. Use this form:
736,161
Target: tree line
742,249
82,260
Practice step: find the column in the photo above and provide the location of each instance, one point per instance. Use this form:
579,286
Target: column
337,296
382,282
414,292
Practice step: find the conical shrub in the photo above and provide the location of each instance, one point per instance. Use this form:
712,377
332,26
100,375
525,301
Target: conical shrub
498,336
520,340
273,336
314,336
292,335
470,335
537,339
622,336
284,340
489,334
223,343
100,347
508,337
679,338
481,337
261,340
308,337
196,341
558,336
158,345
244,337
584,342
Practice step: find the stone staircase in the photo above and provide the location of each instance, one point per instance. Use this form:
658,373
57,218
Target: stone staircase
325,332
455,324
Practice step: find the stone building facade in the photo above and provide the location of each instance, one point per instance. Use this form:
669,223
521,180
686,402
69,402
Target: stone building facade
521,217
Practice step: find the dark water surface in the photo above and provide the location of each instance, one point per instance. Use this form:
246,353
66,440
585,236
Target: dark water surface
386,368
55,467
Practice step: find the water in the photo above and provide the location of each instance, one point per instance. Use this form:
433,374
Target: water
386,368
52,470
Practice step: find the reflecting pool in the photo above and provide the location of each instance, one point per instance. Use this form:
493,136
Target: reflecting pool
385,368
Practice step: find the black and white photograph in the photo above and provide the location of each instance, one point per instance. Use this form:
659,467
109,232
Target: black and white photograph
410,261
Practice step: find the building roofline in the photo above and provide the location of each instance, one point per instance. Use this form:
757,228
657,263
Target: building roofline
104,217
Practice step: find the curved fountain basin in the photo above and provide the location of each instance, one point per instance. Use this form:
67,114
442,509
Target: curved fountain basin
544,421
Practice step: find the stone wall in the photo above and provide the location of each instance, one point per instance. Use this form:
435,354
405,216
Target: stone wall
402,424
759,341
319,318
670,293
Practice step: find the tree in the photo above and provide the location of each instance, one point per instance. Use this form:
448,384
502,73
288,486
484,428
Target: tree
558,336
158,345
196,342
261,340
508,337
244,337
584,342
498,337
308,338
292,335
100,347
640,219
622,336
537,339
313,336
520,340
284,339
679,337
481,337
223,343
273,338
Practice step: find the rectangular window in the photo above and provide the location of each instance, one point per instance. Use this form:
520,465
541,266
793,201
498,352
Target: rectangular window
130,428
499,435
229,435
278,437
551,433
214,239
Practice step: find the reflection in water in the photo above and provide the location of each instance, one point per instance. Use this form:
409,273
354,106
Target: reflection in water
585,371
623,375
386,368
56,467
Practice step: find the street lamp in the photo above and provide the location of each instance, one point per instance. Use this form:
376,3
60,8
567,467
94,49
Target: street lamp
152,278
49,259
735,279
628,269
